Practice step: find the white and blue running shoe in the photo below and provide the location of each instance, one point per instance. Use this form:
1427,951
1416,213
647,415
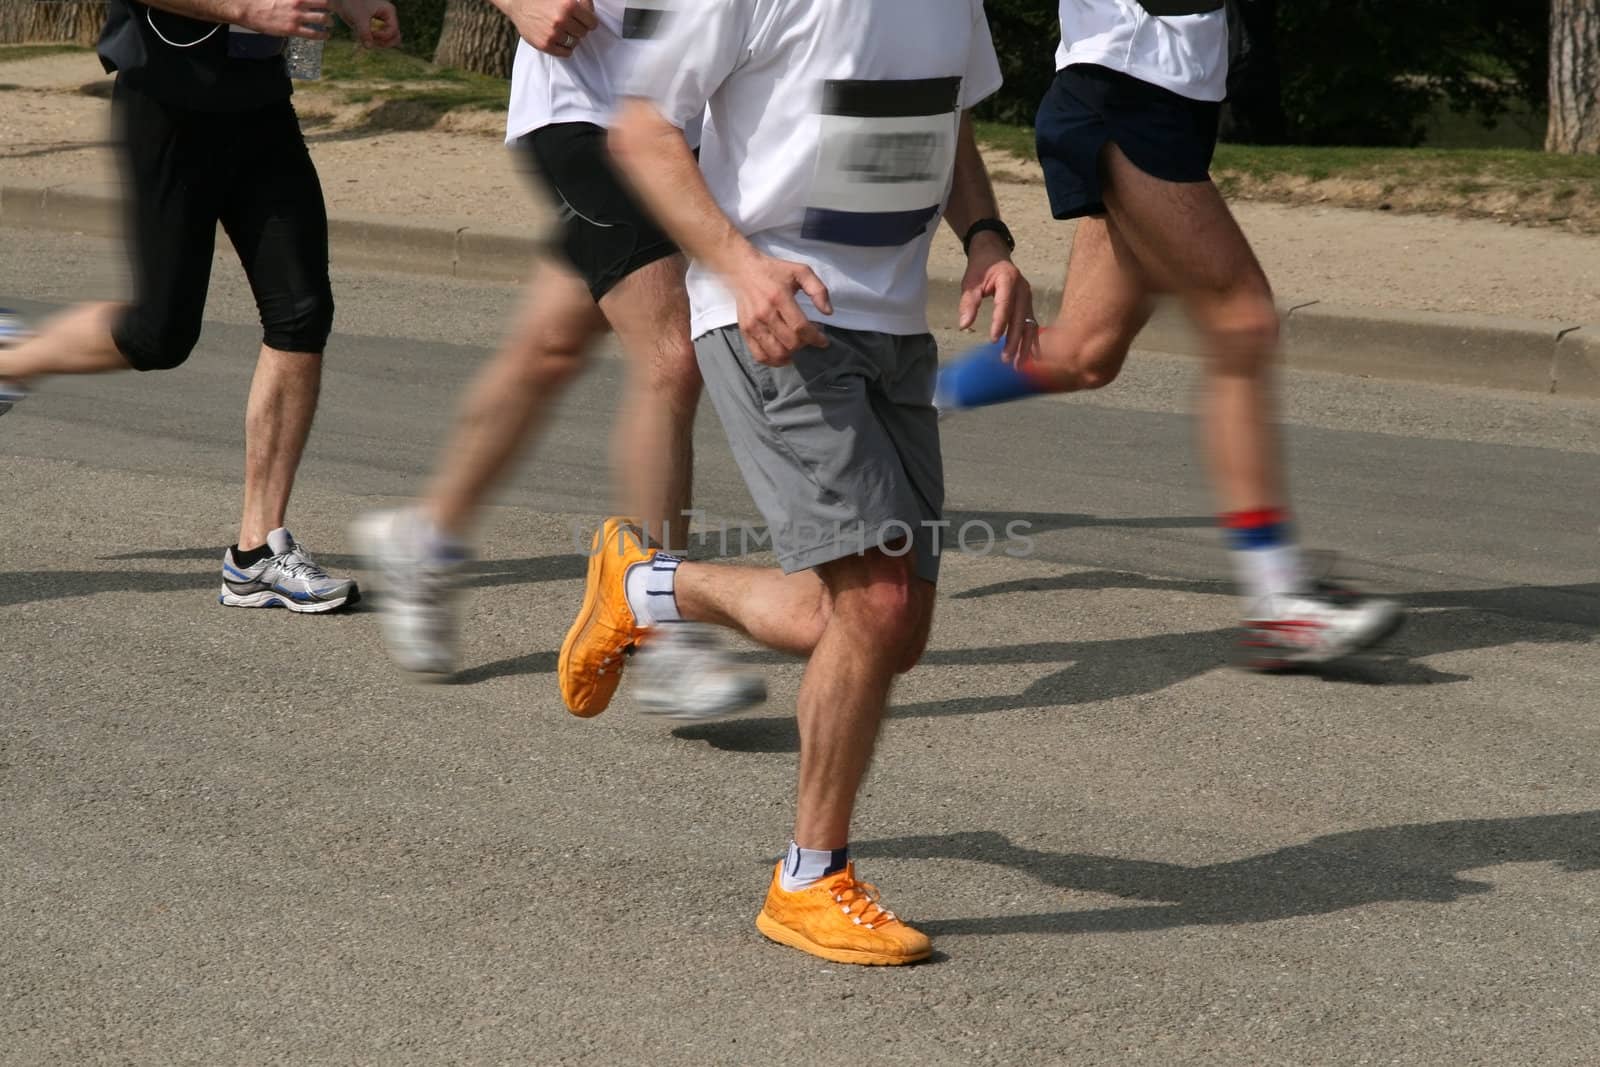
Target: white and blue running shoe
13,331
417,573
289,578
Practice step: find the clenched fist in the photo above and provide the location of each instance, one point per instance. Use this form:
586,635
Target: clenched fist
552,26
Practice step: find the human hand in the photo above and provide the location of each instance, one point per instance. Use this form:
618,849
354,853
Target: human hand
990,273
287,18
553,26
375,23
770,318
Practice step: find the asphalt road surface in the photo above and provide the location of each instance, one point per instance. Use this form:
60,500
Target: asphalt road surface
241,837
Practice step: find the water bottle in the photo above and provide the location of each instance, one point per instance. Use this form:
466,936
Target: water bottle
304,57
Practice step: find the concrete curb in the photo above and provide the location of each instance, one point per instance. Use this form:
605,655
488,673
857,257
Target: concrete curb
1451,349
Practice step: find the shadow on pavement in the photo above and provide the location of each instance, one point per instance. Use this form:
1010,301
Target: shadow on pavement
1420,862
533,663
1105,670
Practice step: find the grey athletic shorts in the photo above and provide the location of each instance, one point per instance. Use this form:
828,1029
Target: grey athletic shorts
840,448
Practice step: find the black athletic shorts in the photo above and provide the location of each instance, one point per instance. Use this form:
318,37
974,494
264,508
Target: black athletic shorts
185,172
606,234
1167,136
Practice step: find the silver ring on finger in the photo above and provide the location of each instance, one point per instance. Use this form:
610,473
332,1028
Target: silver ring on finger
569,41
1030,322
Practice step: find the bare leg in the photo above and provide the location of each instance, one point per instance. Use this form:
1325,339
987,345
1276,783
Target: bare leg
880,613
1188,242
78,341
1106,300
508,403
653,445
786,612
283,401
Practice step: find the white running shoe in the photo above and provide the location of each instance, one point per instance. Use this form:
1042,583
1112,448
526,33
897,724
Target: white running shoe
1324,624
683,672
289,578
417,586
13,331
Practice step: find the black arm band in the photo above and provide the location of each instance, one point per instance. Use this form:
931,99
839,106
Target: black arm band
988,226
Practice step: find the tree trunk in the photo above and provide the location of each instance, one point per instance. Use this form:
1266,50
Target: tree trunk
13,19
1574,78
476,37
74,21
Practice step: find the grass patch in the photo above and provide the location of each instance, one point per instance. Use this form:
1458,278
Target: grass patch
392,78
1018,140
1510,184
16,53
1497,166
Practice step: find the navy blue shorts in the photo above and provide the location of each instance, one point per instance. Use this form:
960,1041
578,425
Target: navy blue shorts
1167,136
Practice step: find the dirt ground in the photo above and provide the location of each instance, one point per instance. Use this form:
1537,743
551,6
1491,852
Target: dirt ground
54,128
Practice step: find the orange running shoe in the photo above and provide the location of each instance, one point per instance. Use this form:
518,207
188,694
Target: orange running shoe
841,920
592,656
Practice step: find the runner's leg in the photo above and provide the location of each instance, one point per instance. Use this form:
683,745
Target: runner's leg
653,444
509,402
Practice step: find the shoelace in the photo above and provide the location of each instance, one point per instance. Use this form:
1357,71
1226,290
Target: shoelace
872,914
297,564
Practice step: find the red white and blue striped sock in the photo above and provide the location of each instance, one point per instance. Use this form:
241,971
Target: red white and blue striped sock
1266,559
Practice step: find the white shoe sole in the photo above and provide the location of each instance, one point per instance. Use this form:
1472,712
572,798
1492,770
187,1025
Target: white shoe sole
269,599
666,709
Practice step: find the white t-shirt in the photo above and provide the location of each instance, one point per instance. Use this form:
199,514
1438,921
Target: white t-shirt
583,87
829,140
1187,54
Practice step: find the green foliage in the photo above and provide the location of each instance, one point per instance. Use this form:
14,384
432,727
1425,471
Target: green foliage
1025,36
420,23
1371,71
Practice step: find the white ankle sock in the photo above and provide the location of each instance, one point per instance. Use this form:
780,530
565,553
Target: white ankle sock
435,543
803,867
651,590
1272,571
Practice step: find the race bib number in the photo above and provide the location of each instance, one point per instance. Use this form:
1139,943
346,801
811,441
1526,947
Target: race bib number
642,19
883,167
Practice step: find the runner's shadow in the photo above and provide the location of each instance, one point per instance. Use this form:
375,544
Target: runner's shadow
533,663
1421,862
1051,521
1099,670
480,573
26,587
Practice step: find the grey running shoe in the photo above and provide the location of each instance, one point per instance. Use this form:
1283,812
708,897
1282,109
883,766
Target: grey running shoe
13,331
683,672
417,584
288,578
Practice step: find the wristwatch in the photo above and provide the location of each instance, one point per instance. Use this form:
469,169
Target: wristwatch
988,226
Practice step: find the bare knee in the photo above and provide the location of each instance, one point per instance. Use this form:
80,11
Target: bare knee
890,607
1075,363
549,360
1243,331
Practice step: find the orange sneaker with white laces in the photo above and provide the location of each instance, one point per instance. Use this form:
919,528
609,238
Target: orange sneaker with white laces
840,919
590,667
